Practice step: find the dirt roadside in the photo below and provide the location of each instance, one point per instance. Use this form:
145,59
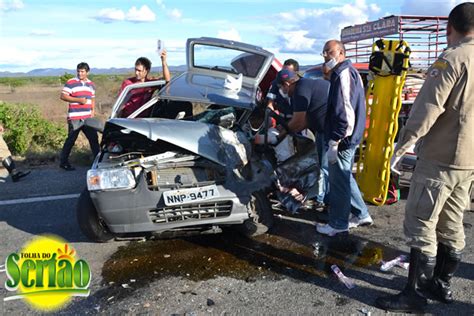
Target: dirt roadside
46,99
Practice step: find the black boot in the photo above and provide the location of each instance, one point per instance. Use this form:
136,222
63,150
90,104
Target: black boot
410,300
16,175
447,262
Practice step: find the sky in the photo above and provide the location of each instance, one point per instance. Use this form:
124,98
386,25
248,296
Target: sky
60,34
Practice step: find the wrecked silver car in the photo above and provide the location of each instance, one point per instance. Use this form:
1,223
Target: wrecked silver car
183,161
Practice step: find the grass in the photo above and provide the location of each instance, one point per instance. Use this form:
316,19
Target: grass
42,95
21,119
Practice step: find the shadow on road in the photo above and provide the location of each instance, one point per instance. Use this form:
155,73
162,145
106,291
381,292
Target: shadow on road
49,217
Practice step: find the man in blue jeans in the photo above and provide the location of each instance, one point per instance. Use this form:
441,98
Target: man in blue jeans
344,128
322,199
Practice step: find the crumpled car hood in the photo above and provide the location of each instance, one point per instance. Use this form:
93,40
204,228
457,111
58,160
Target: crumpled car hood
213,142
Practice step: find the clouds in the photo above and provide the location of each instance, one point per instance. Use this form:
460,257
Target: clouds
231,34
297,41
306,30
175,14
110,15
144,14
134,15
432,7
39,32
18,57
27,53
172,13
301,33
290,29
11,5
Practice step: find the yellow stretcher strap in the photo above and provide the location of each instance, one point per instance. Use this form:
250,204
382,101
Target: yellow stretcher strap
388,64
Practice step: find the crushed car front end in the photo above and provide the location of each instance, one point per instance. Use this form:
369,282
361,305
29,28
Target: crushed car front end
182,160
173,187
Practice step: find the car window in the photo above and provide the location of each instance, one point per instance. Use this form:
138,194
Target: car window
228,60
313,74
135,99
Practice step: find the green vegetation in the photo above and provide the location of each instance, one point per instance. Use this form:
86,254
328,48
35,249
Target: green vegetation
30,128
56,80
64,78
14,82
26,129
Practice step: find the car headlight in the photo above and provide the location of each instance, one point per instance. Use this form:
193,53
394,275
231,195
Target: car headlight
110,179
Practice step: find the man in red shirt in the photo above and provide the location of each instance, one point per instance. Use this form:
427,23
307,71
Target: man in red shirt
79,92
140,96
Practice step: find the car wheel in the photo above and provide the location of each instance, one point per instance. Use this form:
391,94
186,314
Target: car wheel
89,222
261,216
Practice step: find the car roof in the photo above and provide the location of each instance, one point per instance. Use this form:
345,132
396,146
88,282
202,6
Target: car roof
202,87
206,85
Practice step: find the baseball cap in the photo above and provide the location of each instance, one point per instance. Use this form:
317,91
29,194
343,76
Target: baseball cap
286,75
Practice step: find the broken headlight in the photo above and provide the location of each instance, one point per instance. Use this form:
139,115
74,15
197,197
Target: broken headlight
110,179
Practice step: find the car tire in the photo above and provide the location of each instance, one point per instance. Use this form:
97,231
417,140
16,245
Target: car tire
89,222
261,216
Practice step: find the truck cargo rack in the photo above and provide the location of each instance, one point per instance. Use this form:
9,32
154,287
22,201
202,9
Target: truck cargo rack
426,36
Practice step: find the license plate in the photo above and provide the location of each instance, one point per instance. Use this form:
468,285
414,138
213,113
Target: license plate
176,197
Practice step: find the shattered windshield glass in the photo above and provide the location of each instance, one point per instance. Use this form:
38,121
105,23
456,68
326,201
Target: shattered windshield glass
227,60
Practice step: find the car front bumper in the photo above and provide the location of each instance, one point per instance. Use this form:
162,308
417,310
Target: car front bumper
143,210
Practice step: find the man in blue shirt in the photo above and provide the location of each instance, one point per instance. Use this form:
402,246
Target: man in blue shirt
278,101
308,98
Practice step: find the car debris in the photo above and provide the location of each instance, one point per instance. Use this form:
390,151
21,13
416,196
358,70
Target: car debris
398,261
185,162
345,280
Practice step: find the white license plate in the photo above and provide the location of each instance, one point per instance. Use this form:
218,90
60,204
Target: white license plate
176,197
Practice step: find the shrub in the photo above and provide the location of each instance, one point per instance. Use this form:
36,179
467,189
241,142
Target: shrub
64,78
25,126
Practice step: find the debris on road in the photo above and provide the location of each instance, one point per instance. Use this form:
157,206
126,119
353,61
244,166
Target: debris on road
210,302
347,282
392,263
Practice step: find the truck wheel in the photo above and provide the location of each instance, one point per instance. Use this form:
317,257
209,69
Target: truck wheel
90,224
261,216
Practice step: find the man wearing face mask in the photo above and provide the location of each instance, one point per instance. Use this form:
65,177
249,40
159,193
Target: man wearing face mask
277,99
344,128
308,99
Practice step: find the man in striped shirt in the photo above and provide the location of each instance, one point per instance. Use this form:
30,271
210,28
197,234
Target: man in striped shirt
80,93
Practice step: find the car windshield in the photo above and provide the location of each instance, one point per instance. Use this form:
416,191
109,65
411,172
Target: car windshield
227,60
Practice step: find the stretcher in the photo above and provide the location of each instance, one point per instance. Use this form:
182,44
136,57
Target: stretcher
388,66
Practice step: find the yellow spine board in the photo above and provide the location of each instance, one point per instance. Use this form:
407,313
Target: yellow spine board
383,102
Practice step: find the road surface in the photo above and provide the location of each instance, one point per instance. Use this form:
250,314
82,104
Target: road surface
277,273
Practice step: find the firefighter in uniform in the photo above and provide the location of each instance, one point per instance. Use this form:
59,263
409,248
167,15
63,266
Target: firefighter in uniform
7,161
441,125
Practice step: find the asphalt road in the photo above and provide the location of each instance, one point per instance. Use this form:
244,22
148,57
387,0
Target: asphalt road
278,273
